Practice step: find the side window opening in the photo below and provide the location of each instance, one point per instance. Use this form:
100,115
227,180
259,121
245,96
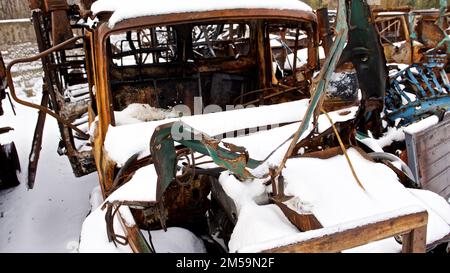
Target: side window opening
289,45
220,41
144,46
165,66
391,30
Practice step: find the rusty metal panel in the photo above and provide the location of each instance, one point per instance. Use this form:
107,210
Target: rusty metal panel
429,157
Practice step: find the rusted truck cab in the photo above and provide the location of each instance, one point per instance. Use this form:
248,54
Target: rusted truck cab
188,61
235,189
395,34
221,57
408,34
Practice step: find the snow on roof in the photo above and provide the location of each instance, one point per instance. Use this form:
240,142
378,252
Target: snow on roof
140,8
392,13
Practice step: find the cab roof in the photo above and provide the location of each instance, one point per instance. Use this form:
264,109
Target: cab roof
130,9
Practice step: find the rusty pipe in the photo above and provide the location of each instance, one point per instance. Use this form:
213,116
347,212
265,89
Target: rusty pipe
36,106
325,30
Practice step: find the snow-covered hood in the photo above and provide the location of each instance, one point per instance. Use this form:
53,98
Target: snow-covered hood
125,140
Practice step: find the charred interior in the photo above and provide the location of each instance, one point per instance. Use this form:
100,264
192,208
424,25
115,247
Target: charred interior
223,63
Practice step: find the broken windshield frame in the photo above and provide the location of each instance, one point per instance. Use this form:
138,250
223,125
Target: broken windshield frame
154,68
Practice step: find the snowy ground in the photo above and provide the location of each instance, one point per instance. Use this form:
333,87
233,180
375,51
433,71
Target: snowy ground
49,217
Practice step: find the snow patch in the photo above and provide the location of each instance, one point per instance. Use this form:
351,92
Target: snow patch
304,236
137,112
421,125
175,240
124,141
338,202
258,223
393,134
141,187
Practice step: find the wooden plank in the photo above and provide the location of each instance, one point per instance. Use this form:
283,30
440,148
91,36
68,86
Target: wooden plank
439,183
304,222
358,236
430,170
432,157
431,138
435,143
415,241
434,138
433,151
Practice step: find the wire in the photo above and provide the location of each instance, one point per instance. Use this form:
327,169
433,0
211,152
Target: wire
341,143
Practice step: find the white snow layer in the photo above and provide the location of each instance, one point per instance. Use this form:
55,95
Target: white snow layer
332,195
13,21
94,239
335,198
142,187
398,134
421,125
49,217
175,240
137,112
120,148
140,8
392,135
304,236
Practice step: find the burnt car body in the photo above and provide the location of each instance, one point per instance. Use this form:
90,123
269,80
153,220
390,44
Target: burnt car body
164,57
209,71
208,62
407,35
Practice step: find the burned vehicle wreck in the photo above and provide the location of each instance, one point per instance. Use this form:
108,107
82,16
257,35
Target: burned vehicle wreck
408,35
235,198
210,132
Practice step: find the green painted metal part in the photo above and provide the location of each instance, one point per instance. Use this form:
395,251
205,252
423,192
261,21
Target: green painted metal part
164,153
328,68
443,10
